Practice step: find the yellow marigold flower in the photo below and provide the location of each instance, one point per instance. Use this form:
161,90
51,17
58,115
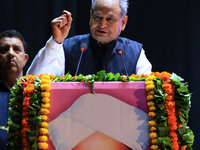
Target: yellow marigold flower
152,123
149,82
150,92
152,135
150,103
45,105
152,108
154,147
153,129
150,97
44,111
45,99
150,78
46,76
150,87
44,124
45,87
153,141
44,117
44,81
43,131
152,114
42,138
42,145
45,94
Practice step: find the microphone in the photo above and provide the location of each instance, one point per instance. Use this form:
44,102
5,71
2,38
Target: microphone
120,52
83,48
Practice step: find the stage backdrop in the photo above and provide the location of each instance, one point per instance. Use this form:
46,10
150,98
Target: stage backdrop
169,31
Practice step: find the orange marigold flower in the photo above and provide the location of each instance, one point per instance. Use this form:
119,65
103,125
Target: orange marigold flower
166,86
152,123
144,75
153,129
24,122
154,147
152,114
42,145
169,97
154,141
153,135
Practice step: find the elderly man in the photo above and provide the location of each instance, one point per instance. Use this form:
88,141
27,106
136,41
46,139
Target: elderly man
107,19
12,62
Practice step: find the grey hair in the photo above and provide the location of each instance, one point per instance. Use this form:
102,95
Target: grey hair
123,6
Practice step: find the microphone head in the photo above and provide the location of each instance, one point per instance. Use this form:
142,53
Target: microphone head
83,47
119,50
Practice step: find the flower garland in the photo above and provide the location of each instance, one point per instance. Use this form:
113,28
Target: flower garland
44,111
168,103
152,123
166,126
170,107
26,126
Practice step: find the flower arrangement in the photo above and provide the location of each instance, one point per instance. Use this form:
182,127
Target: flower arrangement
168,102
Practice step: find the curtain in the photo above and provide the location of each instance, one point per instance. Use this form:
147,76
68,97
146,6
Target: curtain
169,31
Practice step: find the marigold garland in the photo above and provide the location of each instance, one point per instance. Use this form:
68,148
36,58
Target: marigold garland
27,93
44,111
168,104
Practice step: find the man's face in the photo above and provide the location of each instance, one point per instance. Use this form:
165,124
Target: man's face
106,22
12,56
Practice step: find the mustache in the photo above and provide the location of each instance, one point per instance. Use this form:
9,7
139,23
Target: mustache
11,59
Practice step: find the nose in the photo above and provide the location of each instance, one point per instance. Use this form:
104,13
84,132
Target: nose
103,23
11,52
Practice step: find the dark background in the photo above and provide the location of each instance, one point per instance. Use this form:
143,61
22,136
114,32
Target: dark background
169,31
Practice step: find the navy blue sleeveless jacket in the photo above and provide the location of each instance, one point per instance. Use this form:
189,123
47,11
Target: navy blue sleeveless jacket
97,58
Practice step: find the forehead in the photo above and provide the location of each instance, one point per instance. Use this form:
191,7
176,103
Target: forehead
11,41
107,6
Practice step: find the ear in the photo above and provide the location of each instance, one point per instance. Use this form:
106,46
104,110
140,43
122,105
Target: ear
26,57
90,17
124,22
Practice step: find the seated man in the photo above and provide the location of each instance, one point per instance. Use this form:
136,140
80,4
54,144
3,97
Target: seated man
107,19
12,62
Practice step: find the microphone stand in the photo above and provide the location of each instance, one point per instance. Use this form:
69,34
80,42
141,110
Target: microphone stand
120,53
79,62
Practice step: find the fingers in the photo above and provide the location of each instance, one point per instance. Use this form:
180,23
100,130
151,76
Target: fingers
64,20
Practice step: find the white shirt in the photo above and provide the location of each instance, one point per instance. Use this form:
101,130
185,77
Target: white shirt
51,60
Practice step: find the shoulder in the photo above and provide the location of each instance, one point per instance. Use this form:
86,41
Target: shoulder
76,39
129,45
128,42
73,43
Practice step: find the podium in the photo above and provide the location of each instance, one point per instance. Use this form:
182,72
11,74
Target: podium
118,102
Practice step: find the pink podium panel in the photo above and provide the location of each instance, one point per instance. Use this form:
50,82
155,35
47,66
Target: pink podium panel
116,116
